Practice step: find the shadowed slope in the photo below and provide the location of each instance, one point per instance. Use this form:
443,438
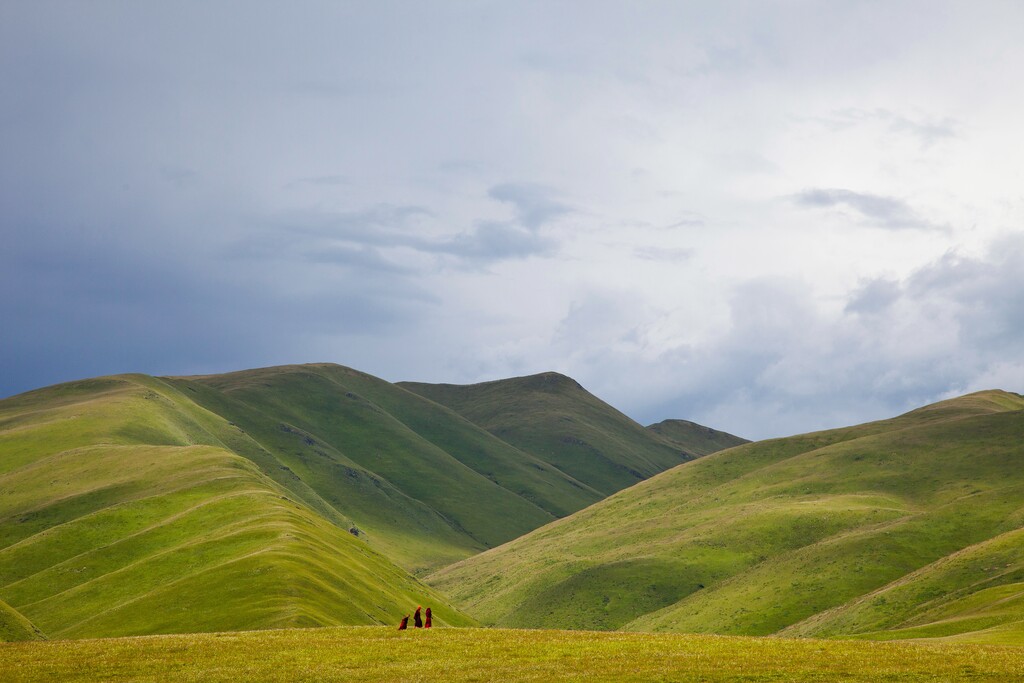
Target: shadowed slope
694,438
555,419
15,627
868,529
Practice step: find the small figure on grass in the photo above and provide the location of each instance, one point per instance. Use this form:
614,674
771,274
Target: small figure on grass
405,623
427,615
417,620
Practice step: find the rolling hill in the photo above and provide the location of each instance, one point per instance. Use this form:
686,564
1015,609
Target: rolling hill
556,420
124,511
289,496
906,527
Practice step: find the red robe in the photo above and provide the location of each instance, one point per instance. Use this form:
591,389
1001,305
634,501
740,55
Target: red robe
427,615
417,621
405,623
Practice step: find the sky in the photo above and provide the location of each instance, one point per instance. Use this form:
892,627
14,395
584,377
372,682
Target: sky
766,217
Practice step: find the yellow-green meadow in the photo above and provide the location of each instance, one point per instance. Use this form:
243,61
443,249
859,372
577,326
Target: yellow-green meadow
375,653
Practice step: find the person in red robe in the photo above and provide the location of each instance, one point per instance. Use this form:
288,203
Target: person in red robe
405,623
417,620
427,615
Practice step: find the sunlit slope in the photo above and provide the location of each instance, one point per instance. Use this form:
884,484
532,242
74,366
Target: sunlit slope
976,594
555,419
694,438
906,523
123,511
15,627
425,484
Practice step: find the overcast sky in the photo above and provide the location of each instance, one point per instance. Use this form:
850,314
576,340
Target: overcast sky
768,217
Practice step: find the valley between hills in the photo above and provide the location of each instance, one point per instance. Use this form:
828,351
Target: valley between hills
317,495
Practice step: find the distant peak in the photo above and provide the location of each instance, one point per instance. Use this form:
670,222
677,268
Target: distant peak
550,380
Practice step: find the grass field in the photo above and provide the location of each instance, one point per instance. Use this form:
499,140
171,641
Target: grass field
447,654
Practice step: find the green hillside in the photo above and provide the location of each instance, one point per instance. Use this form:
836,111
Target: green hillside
901,528
287,496
124,510
694,438
556,420
15,627
417,480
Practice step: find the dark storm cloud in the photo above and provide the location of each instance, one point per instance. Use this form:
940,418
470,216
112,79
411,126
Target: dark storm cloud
875,210
84,297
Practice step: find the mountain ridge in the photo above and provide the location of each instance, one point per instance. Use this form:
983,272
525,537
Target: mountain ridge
552,417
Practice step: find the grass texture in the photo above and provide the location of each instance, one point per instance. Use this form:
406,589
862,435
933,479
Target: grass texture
455,655
15,627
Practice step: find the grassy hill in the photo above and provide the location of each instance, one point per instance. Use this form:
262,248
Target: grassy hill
420,482
694,438
15,627
900,528
556,420
125,510
288,496
472,654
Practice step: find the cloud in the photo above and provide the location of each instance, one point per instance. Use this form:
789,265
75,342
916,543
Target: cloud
783,362
321,181
178,176
357,238
534,204
928,131
664,254
492,241
881,211
874,296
